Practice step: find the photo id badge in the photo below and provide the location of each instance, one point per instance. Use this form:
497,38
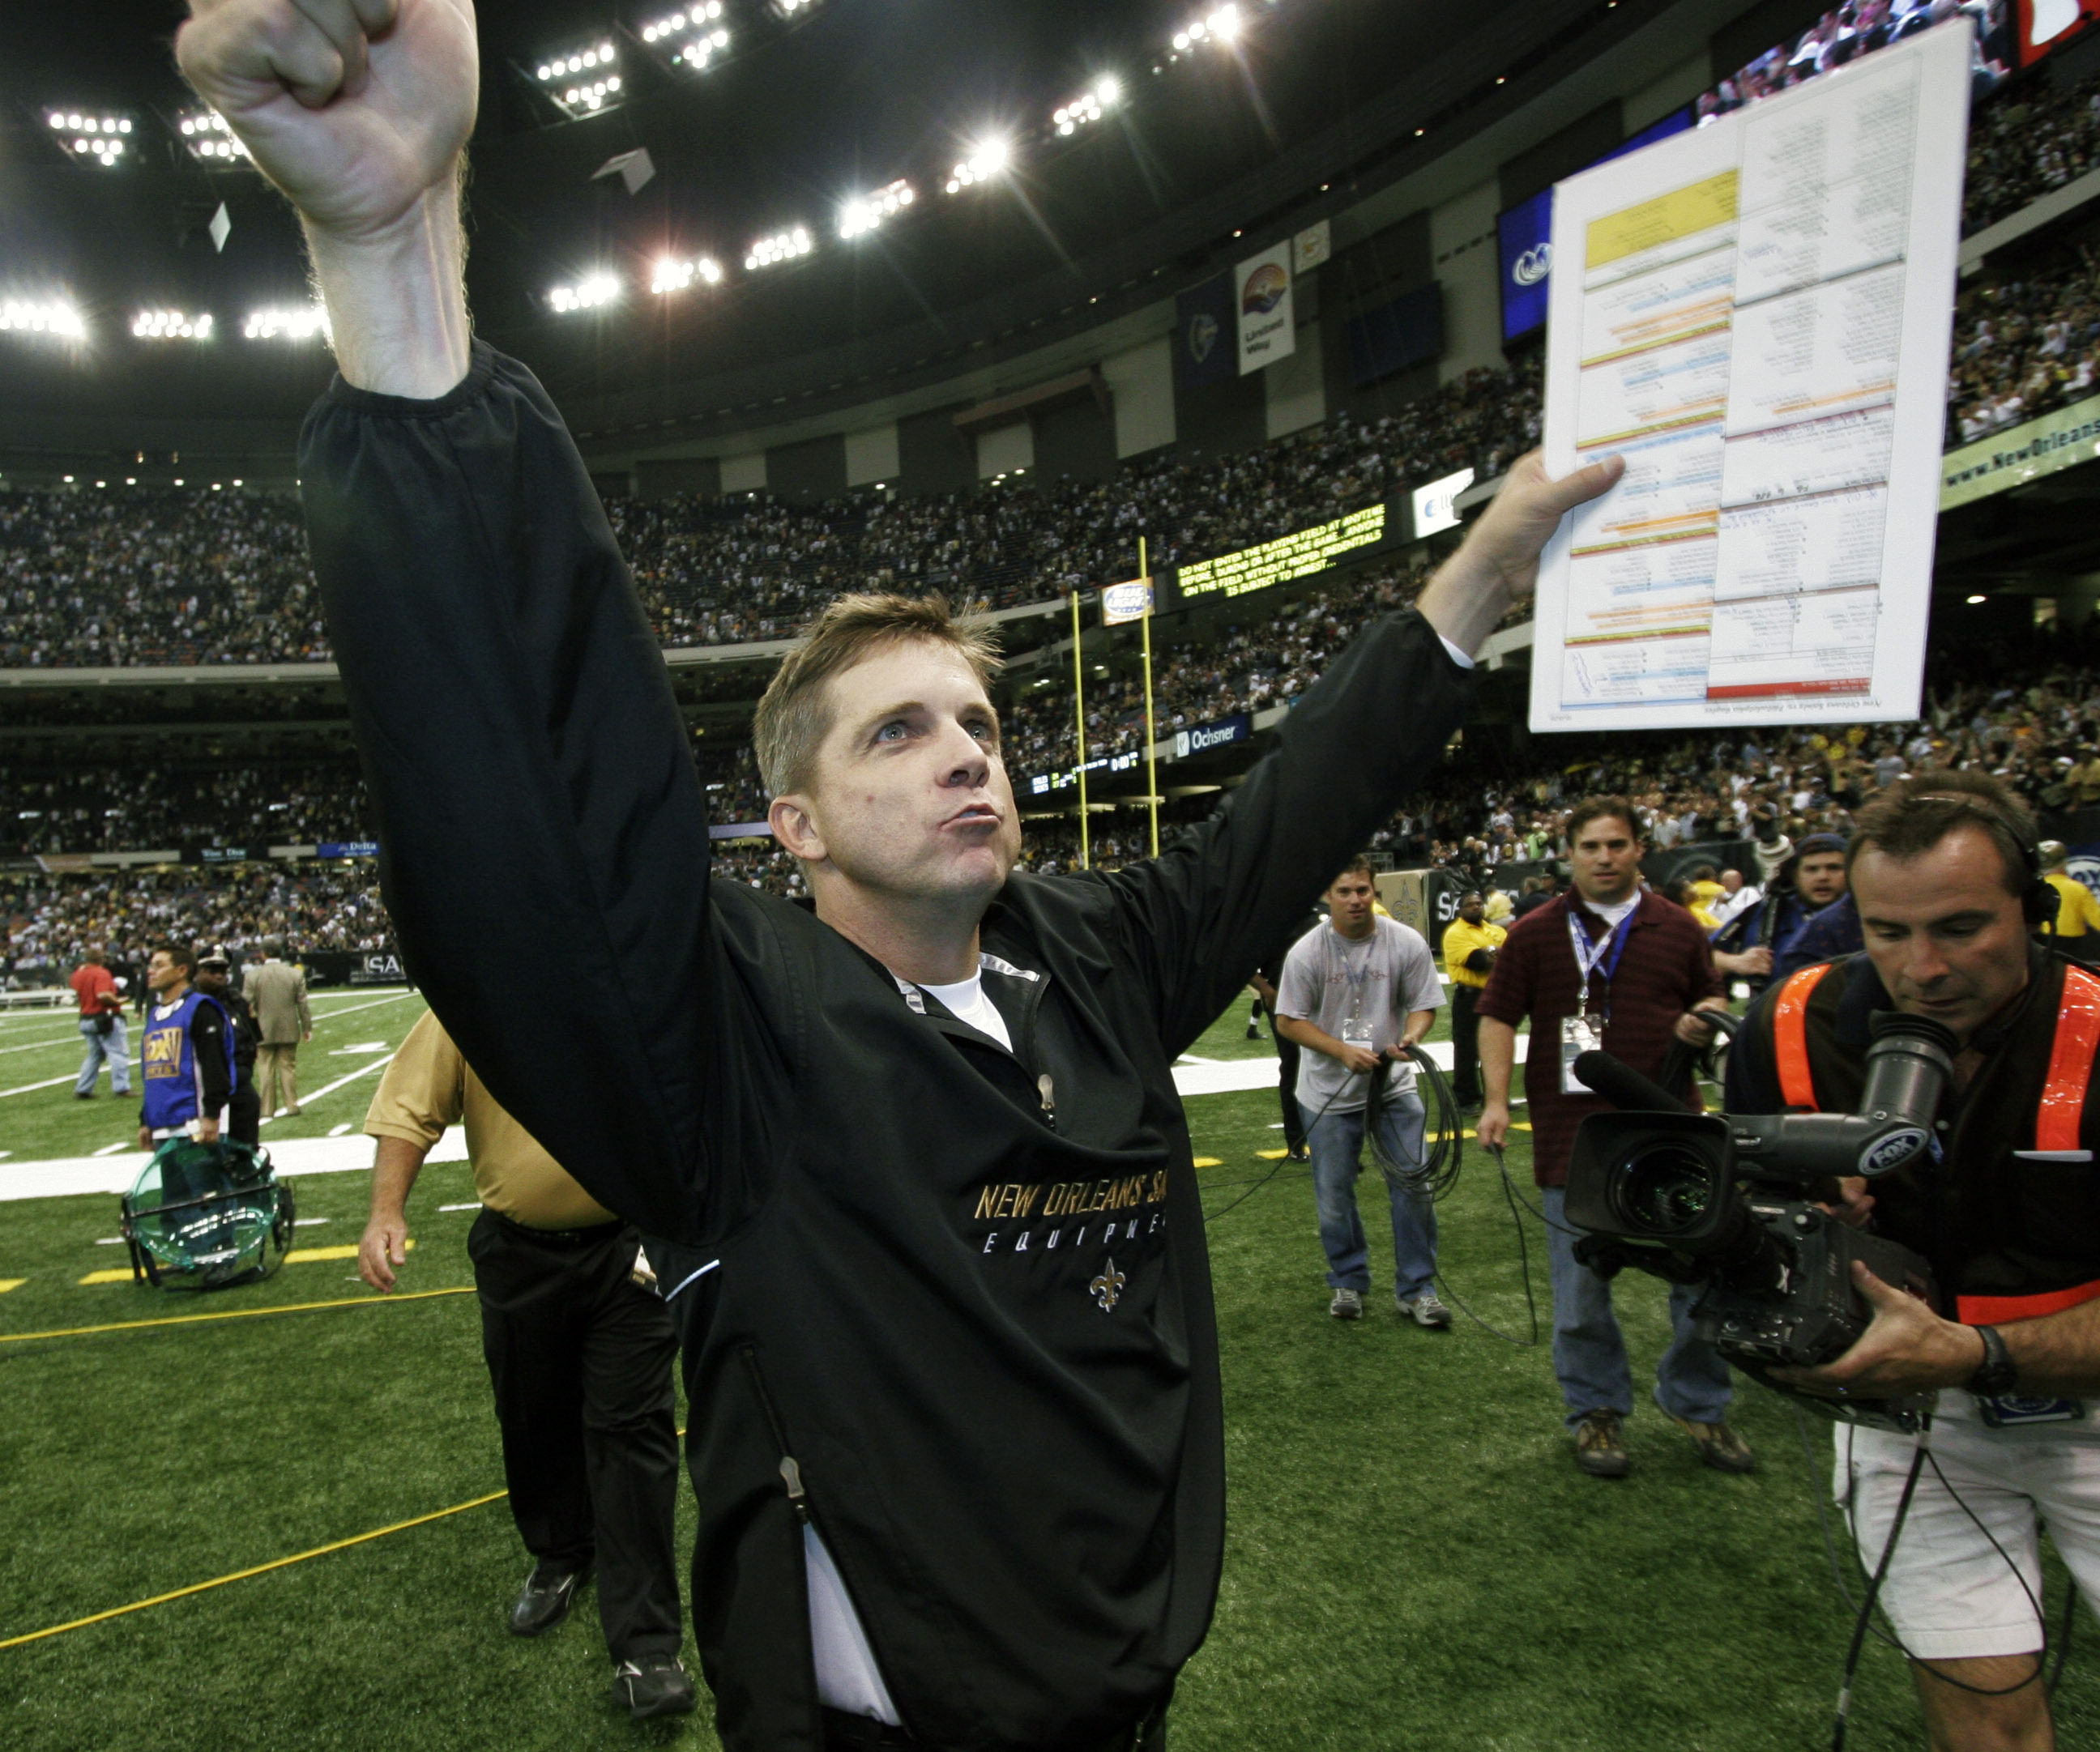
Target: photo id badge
1578,1035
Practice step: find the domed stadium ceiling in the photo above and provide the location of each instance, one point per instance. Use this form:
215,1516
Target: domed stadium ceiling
1138,140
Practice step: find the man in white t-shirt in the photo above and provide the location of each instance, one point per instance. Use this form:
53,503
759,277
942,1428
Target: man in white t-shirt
1356,992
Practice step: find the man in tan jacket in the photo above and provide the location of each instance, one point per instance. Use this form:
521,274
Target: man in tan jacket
276,990
579,1350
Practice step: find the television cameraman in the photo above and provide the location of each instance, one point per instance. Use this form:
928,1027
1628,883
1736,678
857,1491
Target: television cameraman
1948,887
1609,966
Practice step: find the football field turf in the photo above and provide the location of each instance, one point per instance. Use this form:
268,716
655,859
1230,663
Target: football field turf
1413,1561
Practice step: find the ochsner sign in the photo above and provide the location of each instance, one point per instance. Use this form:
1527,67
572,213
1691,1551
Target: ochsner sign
1262,293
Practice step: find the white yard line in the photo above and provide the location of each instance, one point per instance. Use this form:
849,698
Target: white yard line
363,1070
352,1010
72,1040
49,1082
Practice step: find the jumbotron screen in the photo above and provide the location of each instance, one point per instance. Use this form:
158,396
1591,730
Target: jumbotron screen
1288,557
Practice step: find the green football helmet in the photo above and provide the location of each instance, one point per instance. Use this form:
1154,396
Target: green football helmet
204,1216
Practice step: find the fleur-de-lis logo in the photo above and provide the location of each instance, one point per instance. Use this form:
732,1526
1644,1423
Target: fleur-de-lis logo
1108,1287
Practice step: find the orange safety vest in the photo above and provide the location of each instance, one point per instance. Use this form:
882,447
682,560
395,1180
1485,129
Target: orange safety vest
2057,1117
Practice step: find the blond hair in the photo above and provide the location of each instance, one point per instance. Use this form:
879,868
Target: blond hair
795,715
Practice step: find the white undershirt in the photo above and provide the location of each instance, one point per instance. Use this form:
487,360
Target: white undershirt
1616,911
966,1002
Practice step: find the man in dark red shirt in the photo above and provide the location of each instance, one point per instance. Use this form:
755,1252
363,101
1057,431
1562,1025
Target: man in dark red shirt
101,1026
1609,966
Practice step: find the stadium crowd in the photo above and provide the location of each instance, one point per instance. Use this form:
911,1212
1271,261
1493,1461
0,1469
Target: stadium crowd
195,575
2023,346
1487,817
49,920
136,808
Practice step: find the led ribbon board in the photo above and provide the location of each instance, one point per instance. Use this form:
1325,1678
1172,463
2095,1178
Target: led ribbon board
1274,562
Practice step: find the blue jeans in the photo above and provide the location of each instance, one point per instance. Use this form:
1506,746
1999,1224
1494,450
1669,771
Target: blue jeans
101,1046
1336,1142
1590,1351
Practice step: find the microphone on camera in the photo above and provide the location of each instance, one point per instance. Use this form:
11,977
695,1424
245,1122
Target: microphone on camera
1624,1086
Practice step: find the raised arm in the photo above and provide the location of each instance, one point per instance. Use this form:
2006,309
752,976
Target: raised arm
543,831
1200,917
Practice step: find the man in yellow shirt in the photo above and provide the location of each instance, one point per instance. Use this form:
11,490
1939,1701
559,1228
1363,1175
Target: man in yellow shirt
580,1351
2077,930
1470,943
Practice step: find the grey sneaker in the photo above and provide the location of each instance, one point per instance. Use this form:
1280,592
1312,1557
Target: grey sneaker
1348,1305
1428,1309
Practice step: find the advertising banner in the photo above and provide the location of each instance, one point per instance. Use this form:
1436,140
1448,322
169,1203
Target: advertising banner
2061,440
1126,602
1262,295
1436,505
1315,244
1203,328
1200,738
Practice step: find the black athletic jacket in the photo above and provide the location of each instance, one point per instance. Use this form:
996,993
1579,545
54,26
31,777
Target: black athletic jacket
964,1319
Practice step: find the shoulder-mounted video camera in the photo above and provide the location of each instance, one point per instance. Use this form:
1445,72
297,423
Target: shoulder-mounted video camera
1728,1201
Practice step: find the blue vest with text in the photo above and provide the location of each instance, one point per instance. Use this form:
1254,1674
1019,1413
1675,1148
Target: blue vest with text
174,1090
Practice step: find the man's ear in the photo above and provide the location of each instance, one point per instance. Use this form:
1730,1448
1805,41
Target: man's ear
794,826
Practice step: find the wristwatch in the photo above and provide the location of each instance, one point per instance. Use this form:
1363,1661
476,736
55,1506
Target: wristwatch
1997,1372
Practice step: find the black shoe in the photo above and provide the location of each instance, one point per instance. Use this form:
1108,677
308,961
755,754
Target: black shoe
545,1599
83,1094
1299,1153
653,1685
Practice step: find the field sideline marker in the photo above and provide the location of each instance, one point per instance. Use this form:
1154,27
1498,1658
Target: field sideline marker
236,1313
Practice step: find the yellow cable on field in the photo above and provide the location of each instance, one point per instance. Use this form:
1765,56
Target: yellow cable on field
233,1314
242,1575
258,1569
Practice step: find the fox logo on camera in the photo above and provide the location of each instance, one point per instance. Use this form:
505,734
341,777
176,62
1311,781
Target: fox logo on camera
1894,1150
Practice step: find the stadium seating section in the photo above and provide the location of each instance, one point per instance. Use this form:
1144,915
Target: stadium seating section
127,577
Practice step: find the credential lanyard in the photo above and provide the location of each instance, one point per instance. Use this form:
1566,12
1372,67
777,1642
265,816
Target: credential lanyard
1588,956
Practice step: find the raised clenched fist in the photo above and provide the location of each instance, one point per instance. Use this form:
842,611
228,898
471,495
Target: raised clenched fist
357,109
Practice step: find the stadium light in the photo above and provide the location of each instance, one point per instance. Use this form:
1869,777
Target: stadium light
692,37
864,213
1221,26
783,246
171,325
1088,105
673,275
300,324
210,140
48,318
100,137
582,83
789,8
591,290
987,159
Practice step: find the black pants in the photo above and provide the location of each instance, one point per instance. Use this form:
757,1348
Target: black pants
1286,1084
859,1733
580,1358
1465,1043
243,1114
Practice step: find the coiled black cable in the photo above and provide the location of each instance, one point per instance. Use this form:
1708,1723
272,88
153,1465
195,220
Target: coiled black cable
1444,1130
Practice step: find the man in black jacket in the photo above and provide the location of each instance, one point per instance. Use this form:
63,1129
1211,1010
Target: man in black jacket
244,1106
958,1445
